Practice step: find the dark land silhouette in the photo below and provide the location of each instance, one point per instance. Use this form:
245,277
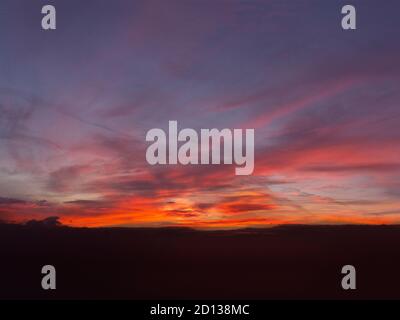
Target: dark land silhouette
287,262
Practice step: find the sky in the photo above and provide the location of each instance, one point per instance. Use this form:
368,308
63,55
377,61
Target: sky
76,104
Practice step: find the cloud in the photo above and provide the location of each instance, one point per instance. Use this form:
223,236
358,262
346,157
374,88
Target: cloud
49,222
243,207
10,201
368,167
63,179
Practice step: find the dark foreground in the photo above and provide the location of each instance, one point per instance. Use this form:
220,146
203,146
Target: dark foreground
295,262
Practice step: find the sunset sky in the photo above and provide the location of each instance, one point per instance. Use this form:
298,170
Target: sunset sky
76,104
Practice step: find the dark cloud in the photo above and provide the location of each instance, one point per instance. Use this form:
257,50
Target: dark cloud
182,213
49,222
203,206
239,207
93,204
371,167
384,213
10,201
